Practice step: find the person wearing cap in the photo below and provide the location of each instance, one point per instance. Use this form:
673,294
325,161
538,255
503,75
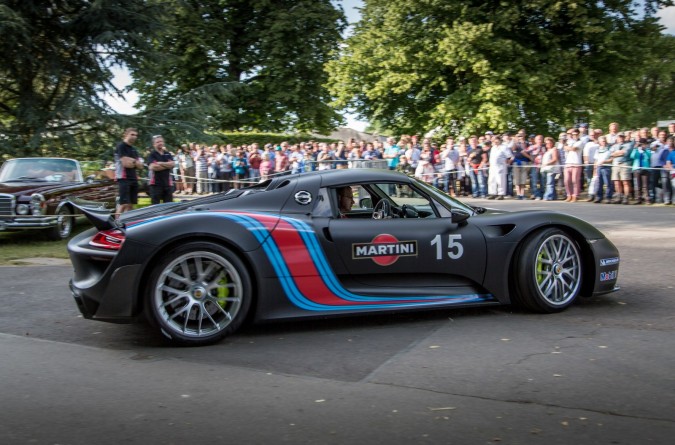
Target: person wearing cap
281,163
572,170
641,161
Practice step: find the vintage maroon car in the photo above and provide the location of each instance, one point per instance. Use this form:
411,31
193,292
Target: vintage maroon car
34,194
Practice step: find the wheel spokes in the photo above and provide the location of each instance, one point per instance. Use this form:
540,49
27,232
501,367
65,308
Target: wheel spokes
198,294
558,269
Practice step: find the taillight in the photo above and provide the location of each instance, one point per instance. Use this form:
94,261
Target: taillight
108,239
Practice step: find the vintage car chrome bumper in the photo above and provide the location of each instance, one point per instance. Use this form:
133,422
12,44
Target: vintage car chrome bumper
27,222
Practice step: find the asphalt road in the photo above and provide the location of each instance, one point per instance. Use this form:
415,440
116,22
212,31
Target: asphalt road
603,372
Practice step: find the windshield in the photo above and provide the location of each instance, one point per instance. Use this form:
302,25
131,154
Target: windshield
39,169
444,199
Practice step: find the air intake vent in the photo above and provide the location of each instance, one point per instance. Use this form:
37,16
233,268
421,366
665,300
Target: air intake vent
499,230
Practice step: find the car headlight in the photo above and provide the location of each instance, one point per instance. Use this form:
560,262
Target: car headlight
37,204
22,209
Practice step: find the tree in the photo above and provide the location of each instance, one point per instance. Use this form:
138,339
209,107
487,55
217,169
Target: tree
57,58
266,58
475,65
643,97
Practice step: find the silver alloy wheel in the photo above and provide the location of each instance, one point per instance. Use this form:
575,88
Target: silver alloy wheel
558,270
198,294
64,222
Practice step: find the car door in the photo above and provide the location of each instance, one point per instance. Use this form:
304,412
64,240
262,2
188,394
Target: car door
406,253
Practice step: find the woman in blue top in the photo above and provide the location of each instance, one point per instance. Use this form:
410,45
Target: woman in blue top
641,157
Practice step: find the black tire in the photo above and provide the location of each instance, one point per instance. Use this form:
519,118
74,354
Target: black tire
64,224
548,271
198,294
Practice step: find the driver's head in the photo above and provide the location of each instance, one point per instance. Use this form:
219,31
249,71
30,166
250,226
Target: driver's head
345,198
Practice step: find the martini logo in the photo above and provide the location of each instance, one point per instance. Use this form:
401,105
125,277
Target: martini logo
384,249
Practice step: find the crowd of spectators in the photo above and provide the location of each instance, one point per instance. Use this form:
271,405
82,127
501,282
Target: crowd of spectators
613,166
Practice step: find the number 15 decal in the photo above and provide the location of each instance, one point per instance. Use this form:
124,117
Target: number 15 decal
455,248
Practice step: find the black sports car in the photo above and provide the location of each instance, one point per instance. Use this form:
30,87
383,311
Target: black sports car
285,248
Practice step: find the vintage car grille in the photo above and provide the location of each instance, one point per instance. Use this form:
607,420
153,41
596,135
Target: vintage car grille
7,205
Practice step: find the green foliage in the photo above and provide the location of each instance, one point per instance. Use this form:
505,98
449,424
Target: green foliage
469,66
642,97
57,63
264,57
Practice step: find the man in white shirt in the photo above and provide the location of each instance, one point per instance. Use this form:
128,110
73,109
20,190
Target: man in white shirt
500,157
589,153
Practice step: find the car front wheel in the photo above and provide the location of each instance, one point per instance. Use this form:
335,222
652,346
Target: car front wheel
199,293
64,224
548,271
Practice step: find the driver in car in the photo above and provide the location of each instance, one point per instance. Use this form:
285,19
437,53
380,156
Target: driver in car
345,200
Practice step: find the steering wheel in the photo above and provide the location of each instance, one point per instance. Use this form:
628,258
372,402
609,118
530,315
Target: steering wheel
382,210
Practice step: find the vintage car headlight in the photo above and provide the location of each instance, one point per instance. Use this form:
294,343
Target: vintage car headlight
22,209
37,204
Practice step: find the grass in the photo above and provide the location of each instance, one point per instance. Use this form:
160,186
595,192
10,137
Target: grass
15,246
34,244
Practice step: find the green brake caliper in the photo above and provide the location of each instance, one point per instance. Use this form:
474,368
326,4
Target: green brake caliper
540,267
223,292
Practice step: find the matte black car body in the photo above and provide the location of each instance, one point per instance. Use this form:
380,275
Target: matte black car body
296,258
34,194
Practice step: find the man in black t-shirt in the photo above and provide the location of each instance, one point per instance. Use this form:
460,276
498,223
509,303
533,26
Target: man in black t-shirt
160,165
127,161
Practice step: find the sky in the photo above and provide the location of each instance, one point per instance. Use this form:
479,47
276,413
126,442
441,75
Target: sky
127,104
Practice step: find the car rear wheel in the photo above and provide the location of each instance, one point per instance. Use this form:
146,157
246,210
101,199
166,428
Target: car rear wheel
64,224
199,293
548,271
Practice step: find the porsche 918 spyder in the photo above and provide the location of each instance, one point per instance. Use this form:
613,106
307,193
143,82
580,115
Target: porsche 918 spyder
286,249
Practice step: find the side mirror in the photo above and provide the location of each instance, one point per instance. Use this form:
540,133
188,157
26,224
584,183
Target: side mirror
366,203
459,216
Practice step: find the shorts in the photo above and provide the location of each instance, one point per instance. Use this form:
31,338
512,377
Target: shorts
621,172
128,189
161,193
521,174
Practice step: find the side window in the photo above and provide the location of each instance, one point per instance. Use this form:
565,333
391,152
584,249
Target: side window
408,202
351,201
362,199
